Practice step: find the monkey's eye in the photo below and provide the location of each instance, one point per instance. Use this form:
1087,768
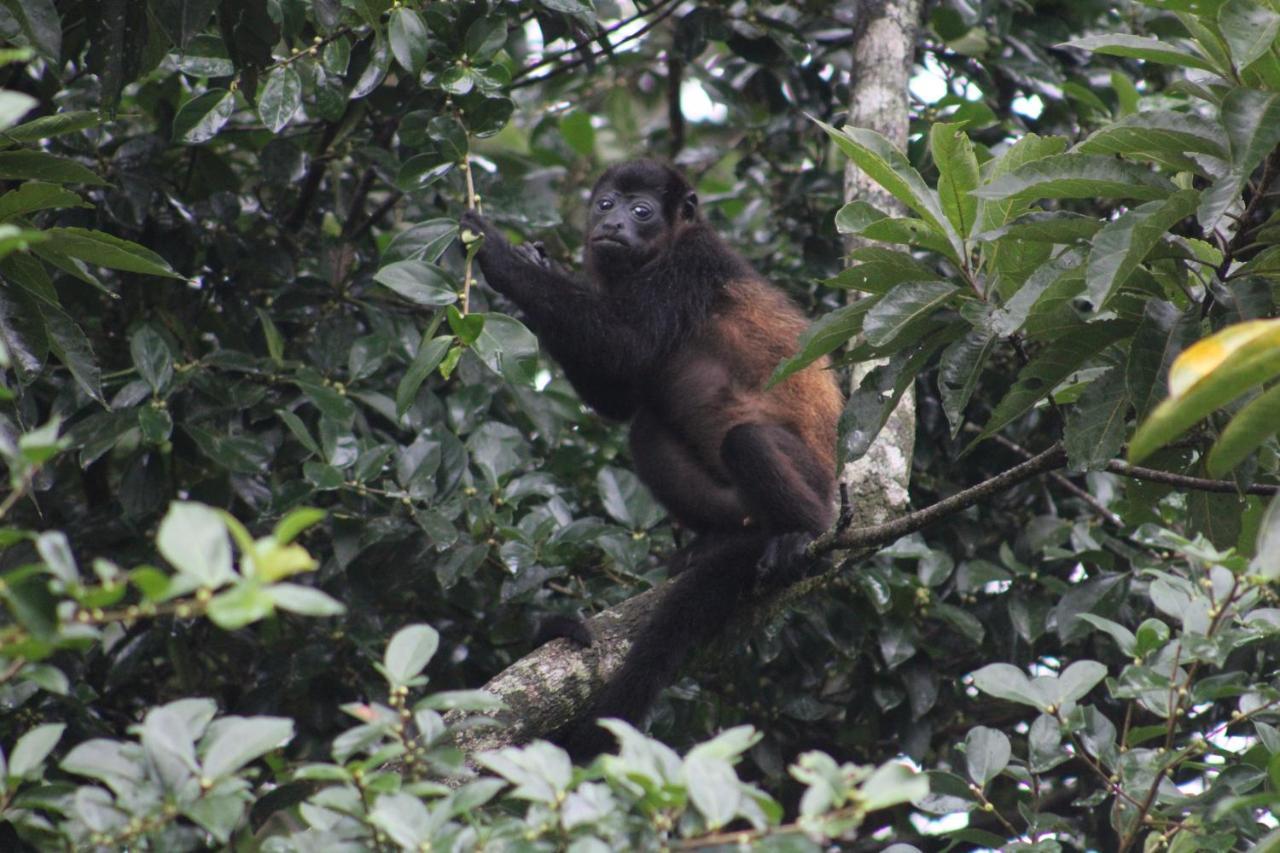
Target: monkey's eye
641,211
605,204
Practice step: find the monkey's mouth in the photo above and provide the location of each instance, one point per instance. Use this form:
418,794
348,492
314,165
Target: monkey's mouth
610,241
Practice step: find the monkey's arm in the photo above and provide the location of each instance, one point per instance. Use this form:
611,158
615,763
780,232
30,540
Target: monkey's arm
600,349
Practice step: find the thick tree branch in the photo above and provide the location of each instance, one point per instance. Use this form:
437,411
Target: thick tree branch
1182,481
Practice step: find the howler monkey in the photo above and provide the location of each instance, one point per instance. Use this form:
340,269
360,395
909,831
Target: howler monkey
672,330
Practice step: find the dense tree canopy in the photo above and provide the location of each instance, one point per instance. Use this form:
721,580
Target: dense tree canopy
275,454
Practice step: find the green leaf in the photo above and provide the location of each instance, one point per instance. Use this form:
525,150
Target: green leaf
429,356
466,326
1005,681
1055,363
404,819
408,36
894,314
409,652
151,358
35,195
39,166
1011,318
888,167
425,241
892,784
243,604
1252,122
1165,136
1095,426
957,174
1077,176
33,748
1223,372
200,119
232,742
305,600
1124,638
421,283
959,369
295,522
1045,226
713,787
627,500
193,538
862,219
870,406
540,772
1122,244
823,335
280,98
1076,681
576,129
1249,29
986,754
879,269
507,348
57,124
102,249
1163,333
39,24
994,213
1137,47
485,37
70,344
1256,422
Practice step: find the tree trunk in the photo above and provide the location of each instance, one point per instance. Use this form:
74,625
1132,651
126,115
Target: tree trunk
884,56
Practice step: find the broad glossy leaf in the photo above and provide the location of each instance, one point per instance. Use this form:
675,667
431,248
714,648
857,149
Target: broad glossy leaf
895,313
1249,29
986,754
200,119
1005,681
1158,134
419,282
1078,176
1256,422
40,166
993,213
1095,426
1044,226
280,98
958,372
408,36
33,748
72,347
1209,375
151,357
104,250
1122,244
507,348
957,174
1163,333
57,124
409,652
1267,561
1138,47
193,538
36,195
429,356
887,166
1052,365
824,335
1252,122
878,269
232,742
1010,318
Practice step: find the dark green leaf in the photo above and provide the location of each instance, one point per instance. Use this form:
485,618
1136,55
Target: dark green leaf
1077,176
200,119
1123,243
1095,426
408,36
39,166
280,98
900,310
824,335
33,196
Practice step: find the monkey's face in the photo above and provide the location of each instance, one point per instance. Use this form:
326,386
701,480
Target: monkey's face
625,229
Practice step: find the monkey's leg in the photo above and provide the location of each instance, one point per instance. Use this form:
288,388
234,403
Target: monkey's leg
679,480
786,488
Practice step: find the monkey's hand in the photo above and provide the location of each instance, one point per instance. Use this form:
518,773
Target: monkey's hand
534,253
785,560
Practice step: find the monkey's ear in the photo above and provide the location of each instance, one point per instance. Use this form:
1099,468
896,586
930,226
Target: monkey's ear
689,207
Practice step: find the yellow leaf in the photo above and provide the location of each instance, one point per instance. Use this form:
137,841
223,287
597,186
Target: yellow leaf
1204,356
274,561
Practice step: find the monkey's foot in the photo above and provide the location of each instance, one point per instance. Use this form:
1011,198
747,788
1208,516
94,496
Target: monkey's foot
784,560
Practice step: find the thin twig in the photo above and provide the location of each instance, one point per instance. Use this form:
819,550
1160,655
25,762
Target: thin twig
1182,481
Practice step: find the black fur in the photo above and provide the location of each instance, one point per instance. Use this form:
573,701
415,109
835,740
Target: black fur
656,277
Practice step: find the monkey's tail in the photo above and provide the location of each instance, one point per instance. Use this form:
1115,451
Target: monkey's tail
697,608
